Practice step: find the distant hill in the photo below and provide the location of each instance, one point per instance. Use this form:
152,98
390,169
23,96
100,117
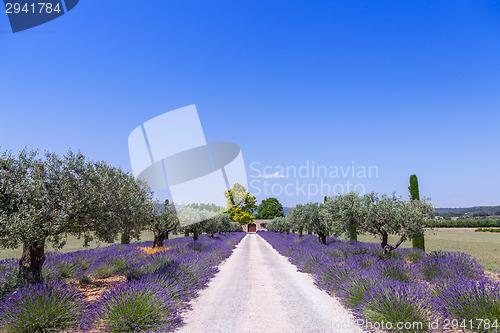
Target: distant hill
470,211
449,212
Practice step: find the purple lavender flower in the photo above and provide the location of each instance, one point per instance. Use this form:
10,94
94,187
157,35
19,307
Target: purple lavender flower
45,306
402,307
476,303
397,269
138,306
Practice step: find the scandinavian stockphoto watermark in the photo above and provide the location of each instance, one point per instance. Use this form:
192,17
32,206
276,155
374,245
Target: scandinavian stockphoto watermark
354,325
27,14
170,151
309,179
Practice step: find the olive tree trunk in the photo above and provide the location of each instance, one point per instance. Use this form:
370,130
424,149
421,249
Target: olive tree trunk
353,234
30,264
322,238
158,240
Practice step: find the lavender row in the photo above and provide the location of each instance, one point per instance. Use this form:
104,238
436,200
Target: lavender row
157,288
428,292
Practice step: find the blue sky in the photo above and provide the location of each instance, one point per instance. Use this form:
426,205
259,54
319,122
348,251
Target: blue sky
406,86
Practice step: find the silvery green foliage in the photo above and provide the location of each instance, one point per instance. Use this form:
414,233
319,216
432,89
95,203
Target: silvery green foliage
386,215
164,219
380,215
313,221
218,223
279,224
193,217
42,198
342,212
297,217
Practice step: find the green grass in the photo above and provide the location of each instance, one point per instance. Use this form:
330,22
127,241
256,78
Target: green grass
74,244
484,246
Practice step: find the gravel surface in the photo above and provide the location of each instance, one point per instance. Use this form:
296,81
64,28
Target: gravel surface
259,290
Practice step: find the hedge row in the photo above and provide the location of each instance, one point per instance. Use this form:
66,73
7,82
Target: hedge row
465,223
487,230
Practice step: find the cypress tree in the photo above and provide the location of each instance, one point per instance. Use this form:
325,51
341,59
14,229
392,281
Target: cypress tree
418,242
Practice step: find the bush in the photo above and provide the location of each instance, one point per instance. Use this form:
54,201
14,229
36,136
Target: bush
362,260
397,270
487,230
473,301
354,289
434,269
465,223
414,255
52,306
467,265
138,306
334,275
393,303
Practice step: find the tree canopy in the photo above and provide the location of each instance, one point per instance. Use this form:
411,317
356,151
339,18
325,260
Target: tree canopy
44,198
269,209
240,205
163,220
379,215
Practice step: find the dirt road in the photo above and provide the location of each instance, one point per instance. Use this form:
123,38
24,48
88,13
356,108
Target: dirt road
258,290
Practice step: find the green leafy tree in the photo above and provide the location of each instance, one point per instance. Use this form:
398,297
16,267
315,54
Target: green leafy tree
163,220
218,224
240,205
279,224
42,199
313,222
269,209
387,215
298,218
131,210
419,240
195,216
343,213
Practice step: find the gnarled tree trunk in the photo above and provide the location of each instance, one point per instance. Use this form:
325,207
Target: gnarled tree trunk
322,238
158,240
30,264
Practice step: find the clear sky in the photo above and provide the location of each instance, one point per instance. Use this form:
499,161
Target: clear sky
400,86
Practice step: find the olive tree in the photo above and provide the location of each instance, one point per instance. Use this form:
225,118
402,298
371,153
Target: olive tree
163,220
132,202
45,198
298,218
279,224
387,215
217,224
194,217
314,223
343,213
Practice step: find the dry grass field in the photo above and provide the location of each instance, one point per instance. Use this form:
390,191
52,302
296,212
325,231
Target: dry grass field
485,246
74,244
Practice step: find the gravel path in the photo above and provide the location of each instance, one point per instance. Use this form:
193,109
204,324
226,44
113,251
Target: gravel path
259,290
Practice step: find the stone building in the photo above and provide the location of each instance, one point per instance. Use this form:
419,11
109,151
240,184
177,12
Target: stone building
255,226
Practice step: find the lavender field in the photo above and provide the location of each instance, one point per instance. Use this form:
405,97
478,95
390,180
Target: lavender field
405,291
153,291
